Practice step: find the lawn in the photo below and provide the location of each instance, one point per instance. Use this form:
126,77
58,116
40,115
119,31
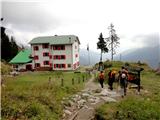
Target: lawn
145,106
33,96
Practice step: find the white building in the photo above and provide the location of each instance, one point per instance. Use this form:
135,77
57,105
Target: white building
55,52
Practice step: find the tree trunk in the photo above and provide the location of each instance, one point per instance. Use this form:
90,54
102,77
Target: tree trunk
111,48
101,57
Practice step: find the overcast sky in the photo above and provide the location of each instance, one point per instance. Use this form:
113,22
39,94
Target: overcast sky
137,22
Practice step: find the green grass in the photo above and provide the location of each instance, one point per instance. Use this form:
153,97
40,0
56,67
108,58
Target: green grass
32,96
145,106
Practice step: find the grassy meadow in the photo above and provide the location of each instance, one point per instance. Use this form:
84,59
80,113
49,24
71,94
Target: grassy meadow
33,96
145,106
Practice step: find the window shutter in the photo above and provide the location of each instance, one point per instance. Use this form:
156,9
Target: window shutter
43,62
64,56
43,54
59,48
54,65
54,56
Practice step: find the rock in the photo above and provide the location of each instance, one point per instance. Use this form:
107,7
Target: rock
97,90
86,107
108,99
67,112
70,103
85,95
75,98
104,92
91,100
81,102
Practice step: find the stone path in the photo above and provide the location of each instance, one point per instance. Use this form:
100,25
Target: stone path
81,106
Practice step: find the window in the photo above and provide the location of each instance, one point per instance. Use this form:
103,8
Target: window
37,65
69,65
50,56
63,65
36,57
44,46
63,57
76,55
62,47
50,64
45,54
59,65
36,48
46,62
58,57
59,47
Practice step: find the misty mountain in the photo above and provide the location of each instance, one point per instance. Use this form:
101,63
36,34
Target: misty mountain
150,55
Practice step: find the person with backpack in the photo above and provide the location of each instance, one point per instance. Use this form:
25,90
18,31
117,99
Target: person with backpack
123,81
111,78
101,78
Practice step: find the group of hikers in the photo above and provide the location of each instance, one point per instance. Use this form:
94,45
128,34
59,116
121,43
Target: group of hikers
121,77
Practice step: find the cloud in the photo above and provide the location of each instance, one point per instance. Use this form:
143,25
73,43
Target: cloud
149,40
28,16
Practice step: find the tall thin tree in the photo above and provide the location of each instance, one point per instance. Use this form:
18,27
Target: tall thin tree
101,44
112,40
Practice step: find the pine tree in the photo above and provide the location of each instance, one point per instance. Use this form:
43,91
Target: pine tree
102,45
14,47
8,48
112,40
5,45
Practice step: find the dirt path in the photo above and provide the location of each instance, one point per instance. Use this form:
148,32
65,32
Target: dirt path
82,105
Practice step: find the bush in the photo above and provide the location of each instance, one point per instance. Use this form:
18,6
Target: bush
107,65
126,64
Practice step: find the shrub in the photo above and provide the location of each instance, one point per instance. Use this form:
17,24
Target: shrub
126,64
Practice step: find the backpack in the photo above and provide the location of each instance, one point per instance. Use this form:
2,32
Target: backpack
123,75
101,76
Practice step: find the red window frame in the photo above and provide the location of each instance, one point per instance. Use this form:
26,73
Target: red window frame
45,62
59,57
59,47
39,65
54,65
51,64
36,48
63,57
76,55
50,56
45,46
36,57
45,55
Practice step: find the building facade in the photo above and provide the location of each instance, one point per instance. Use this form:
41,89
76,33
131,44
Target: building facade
55,52
22,61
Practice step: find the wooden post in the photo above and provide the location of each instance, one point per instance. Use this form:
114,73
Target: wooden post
86,76
83,78
79,80
72,81
62,82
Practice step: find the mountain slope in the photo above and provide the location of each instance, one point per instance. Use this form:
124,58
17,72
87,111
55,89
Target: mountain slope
150,55
94,57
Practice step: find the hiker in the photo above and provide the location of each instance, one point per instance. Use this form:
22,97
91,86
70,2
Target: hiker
101,78
111,79
123,81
